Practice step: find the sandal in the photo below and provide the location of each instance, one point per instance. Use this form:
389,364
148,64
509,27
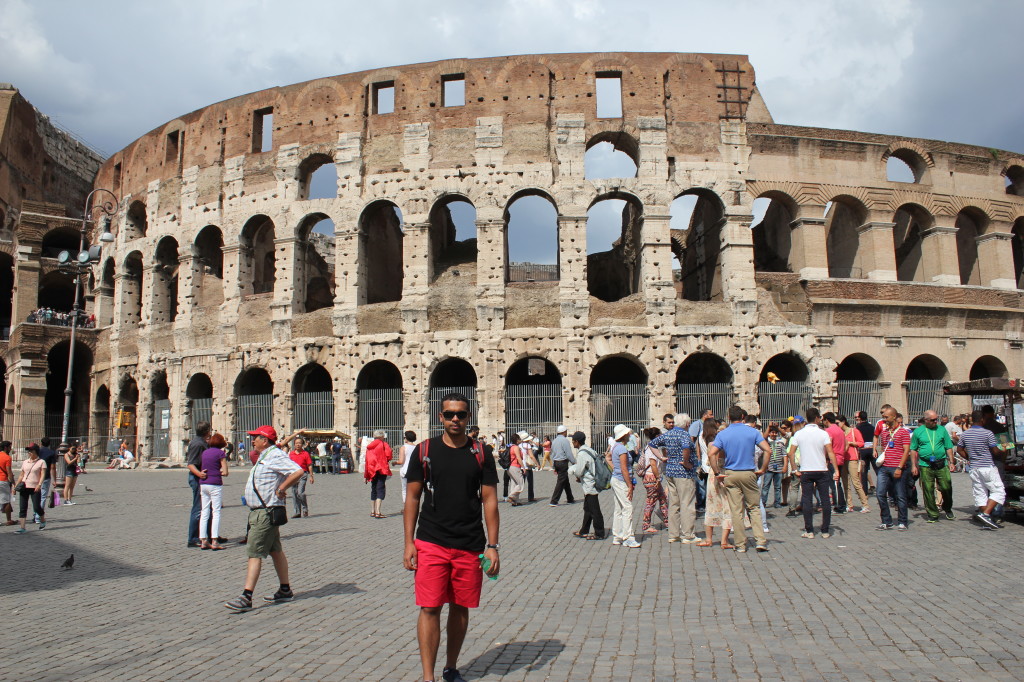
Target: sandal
580,535
215,546
705,543
651,531
726,545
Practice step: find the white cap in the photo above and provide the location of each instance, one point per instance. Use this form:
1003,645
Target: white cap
524,437
562,428
621,431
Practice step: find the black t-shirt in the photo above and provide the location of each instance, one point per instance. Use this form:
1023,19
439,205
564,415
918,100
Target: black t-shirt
49,456
451,514
867,432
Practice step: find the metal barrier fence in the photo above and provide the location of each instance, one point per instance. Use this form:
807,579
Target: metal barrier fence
314,410
782,400
855,396
381,408
693,399
612,404
160,447
532,272
202,411
922,395
253,411
438,392
533,408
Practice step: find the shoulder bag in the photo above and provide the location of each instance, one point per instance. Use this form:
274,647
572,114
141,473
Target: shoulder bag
278,514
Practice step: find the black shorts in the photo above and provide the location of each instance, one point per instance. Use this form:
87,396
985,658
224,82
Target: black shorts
377,487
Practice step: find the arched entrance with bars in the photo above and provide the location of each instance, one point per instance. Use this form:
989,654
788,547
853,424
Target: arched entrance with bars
783,390
199,393
451,375
313,398
857,378
254,401
703,381
533,396
379,401
618,395
925,377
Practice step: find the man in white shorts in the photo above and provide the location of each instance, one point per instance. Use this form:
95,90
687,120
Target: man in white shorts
979,446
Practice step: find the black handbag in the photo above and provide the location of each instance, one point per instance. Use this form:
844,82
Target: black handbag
278,514
20,487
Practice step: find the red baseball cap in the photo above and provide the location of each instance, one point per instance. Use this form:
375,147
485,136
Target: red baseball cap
267,431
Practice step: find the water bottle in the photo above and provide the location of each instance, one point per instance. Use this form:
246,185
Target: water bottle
485,566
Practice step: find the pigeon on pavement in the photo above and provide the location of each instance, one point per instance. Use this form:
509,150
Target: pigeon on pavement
69,562
88,489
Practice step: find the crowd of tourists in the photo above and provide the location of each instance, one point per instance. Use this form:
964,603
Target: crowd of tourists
60,318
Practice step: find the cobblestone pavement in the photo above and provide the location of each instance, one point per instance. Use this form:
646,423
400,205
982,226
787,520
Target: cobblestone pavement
941,601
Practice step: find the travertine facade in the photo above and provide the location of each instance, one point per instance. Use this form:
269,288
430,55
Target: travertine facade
213,273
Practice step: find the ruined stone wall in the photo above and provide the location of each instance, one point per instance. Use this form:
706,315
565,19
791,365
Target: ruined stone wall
693,123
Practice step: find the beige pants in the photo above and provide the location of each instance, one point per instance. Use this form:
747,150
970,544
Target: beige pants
516,488
848,471
743,492
682,511
622,517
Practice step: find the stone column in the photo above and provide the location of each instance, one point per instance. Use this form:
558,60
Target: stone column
807,255
416,277
938,255
236,268
149,291
737,259
346,274
179,425
490,274
876,252
995,259
187,287
574,302
283,306
656,270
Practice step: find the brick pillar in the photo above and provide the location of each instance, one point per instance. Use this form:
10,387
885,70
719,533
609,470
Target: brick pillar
737,258
285,285
490,275
416,277
572,271
876,252
188,277
938,255
807,255
346,274
656,270
995,259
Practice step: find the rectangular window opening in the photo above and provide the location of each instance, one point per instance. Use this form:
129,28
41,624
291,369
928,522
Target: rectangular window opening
263,129
609,94
117,179
384,97
171,153
454,93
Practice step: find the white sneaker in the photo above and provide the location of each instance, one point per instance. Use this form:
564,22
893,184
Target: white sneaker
616,541
631,543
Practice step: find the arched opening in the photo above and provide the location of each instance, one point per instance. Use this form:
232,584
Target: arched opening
453,240
1014,181
57,293
971,223
102,428
451,374
127,407
697,219
258,269
61,239
314,267
165,284
199,392
911,222
135,221
380,253
209,250
614,244
857,379
843,217
318,178
131,291
773,213
925,377
531,239
1017,243
988,366
107,277
6,294
379,402
611,155
783,389
904,165
254,401
161,394
704,381
618,395
81,389
533,397
313,398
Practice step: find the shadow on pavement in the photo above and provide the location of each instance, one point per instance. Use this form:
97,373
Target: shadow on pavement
506,658
330,589
32,562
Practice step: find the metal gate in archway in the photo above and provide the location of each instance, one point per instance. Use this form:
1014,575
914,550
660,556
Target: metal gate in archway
534,408
923,395
693,399
381,408
314,410
783,399
202,411
161,428
612,404
855,396
253,411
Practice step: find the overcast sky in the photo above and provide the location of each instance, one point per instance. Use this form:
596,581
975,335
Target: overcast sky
112,71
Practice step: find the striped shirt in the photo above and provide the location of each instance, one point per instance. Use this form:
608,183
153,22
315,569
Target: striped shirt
976,441
778,454
893,445
267,474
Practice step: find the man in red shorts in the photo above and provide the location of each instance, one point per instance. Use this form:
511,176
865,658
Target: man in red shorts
456,483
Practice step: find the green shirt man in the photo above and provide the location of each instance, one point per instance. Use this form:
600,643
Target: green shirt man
931,453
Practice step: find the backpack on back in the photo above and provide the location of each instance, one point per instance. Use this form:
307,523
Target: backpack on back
505,457
602,472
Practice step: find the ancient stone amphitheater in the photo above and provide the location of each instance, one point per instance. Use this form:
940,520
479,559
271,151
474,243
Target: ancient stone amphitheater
772,265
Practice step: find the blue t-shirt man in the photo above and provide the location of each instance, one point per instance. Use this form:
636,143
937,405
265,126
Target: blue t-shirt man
739,442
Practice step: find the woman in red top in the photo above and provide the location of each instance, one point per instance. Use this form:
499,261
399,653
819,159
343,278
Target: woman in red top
378,468
301,457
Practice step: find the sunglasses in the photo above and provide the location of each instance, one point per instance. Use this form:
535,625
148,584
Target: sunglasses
451,414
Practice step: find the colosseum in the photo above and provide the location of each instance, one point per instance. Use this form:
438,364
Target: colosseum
458,245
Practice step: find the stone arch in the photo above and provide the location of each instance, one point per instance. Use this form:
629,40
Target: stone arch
452,216
131,290
618,395
614,220
858,367
313,397
314,264
911,221
56,383
56,291
199,387
253,380
926,367
380,259
704,380
1013,176
988,366
165,282
925,377
254,400
64,238
915,157
857,383
704,217
531,215
314,175
101,414
611,154
380,402
450,374
258,268
971,223
533,396
209,251
783,388
844,216
136,221
773,234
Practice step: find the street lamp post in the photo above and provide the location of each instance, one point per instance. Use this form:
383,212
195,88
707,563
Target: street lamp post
78,265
